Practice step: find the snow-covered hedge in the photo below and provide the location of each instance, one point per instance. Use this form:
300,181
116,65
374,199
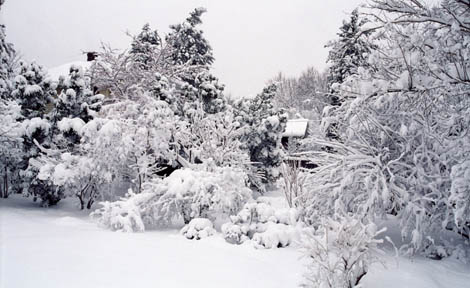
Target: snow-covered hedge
266,226
186,194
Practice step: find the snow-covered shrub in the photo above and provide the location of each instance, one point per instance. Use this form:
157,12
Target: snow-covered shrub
266,226
185,195
132,140
216,138
341,253
200,194
198,228
292,182
275,235
126,214
460,196
403,128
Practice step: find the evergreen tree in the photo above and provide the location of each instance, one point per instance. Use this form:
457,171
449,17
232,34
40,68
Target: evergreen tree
145,46
7,56
33,90
192,56
347,53
263,127
76,98
187,43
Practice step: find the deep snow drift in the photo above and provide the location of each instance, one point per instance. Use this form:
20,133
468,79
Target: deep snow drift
62,247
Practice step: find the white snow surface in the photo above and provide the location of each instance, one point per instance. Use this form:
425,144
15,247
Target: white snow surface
62,247
63,70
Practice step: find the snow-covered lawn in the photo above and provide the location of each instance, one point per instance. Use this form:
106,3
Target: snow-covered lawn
62,247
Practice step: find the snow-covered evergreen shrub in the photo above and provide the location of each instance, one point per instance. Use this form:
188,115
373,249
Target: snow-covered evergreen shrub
76,98
198,228
340,252
262,126
33,89
266,226
184,195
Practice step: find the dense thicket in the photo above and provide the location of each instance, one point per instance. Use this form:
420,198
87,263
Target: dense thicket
403,125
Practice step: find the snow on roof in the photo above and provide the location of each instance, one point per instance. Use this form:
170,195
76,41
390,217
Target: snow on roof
63,70
296,128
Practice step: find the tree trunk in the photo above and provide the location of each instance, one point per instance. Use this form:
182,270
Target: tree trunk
5,184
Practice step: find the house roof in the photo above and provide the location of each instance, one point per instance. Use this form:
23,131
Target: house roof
296,128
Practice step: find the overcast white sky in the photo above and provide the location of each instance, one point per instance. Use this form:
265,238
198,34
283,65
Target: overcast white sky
252,39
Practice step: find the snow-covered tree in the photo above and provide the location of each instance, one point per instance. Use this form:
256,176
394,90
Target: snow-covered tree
187,45
10,145
263,126
404,127
76,98
7,61
216,138
33,90
347,53
145,46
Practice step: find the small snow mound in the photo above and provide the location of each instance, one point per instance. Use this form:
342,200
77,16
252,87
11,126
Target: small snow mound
74,124
198,228
275,236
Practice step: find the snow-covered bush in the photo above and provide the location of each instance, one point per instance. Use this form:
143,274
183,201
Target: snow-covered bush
292,182
75,175
185,195
10,145
266,226
133,140
127,214
216,138
403,127
340,252
198,228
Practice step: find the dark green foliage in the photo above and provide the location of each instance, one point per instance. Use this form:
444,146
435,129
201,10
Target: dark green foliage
347,53
263,126
145,46
33,90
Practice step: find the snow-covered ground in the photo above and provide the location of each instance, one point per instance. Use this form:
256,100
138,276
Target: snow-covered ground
62,247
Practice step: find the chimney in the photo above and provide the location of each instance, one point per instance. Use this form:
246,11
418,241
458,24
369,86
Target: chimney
90,56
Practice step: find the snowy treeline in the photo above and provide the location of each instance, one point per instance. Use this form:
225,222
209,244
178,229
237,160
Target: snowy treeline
165,111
